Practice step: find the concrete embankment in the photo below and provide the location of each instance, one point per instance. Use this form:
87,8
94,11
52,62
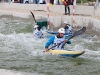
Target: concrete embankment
86,15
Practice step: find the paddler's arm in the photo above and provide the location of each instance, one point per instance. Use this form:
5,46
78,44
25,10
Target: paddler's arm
51,40
68,41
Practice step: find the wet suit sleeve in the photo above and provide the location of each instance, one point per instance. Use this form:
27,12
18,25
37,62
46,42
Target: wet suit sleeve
51,40
68,41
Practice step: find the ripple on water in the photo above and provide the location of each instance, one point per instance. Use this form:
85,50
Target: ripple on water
20,51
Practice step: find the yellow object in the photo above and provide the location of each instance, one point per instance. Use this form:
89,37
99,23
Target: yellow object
50,4
65,52
61,0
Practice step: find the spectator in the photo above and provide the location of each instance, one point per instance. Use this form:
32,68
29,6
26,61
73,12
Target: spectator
42,2
71,3
55,2
60,2
37,32
66,5
52,1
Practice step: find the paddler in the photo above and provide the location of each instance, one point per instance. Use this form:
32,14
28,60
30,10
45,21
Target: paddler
37,32
68,28
58,41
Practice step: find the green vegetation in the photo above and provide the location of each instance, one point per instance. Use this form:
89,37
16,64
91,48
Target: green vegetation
84,1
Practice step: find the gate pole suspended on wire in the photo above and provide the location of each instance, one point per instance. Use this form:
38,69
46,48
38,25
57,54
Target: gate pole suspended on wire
73,14
48,19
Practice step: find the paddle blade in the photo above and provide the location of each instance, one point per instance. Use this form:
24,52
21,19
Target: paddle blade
78,32
33,16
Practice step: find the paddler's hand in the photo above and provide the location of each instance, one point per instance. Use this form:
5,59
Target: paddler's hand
46,50
65,41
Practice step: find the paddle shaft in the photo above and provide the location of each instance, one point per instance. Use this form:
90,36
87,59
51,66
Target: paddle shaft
33,16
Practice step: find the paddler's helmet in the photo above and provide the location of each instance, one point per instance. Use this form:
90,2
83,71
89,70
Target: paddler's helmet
61,30
36,26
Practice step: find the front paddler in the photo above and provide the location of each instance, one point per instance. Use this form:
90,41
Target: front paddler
58,41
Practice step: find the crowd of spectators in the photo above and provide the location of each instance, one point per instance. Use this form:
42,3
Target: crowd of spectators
55,2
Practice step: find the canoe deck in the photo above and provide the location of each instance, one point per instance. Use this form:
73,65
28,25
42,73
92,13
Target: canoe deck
65,53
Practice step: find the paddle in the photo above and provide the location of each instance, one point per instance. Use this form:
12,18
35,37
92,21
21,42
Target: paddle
33,16
40,26
78,32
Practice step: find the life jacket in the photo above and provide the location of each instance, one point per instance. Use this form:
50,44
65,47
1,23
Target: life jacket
68,30
38,34
57,41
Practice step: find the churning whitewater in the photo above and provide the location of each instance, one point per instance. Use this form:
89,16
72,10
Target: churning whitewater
20,51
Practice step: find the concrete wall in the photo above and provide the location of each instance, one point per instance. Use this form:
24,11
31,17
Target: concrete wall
14,14
97,12
85,10
24,6
59,8
57,21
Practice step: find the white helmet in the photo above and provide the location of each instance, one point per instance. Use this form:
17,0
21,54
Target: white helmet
65,22
61,30
36,26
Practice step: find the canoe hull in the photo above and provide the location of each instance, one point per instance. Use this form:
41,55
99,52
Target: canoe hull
65,53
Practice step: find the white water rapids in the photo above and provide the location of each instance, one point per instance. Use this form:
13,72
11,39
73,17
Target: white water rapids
19,51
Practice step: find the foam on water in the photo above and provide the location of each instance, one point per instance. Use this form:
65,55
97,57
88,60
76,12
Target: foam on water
11,72
35,47
19,50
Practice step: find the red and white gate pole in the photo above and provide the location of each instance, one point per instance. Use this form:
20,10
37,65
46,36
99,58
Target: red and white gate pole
73,14
48,9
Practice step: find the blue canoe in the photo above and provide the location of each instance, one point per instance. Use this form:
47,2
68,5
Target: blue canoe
66,53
